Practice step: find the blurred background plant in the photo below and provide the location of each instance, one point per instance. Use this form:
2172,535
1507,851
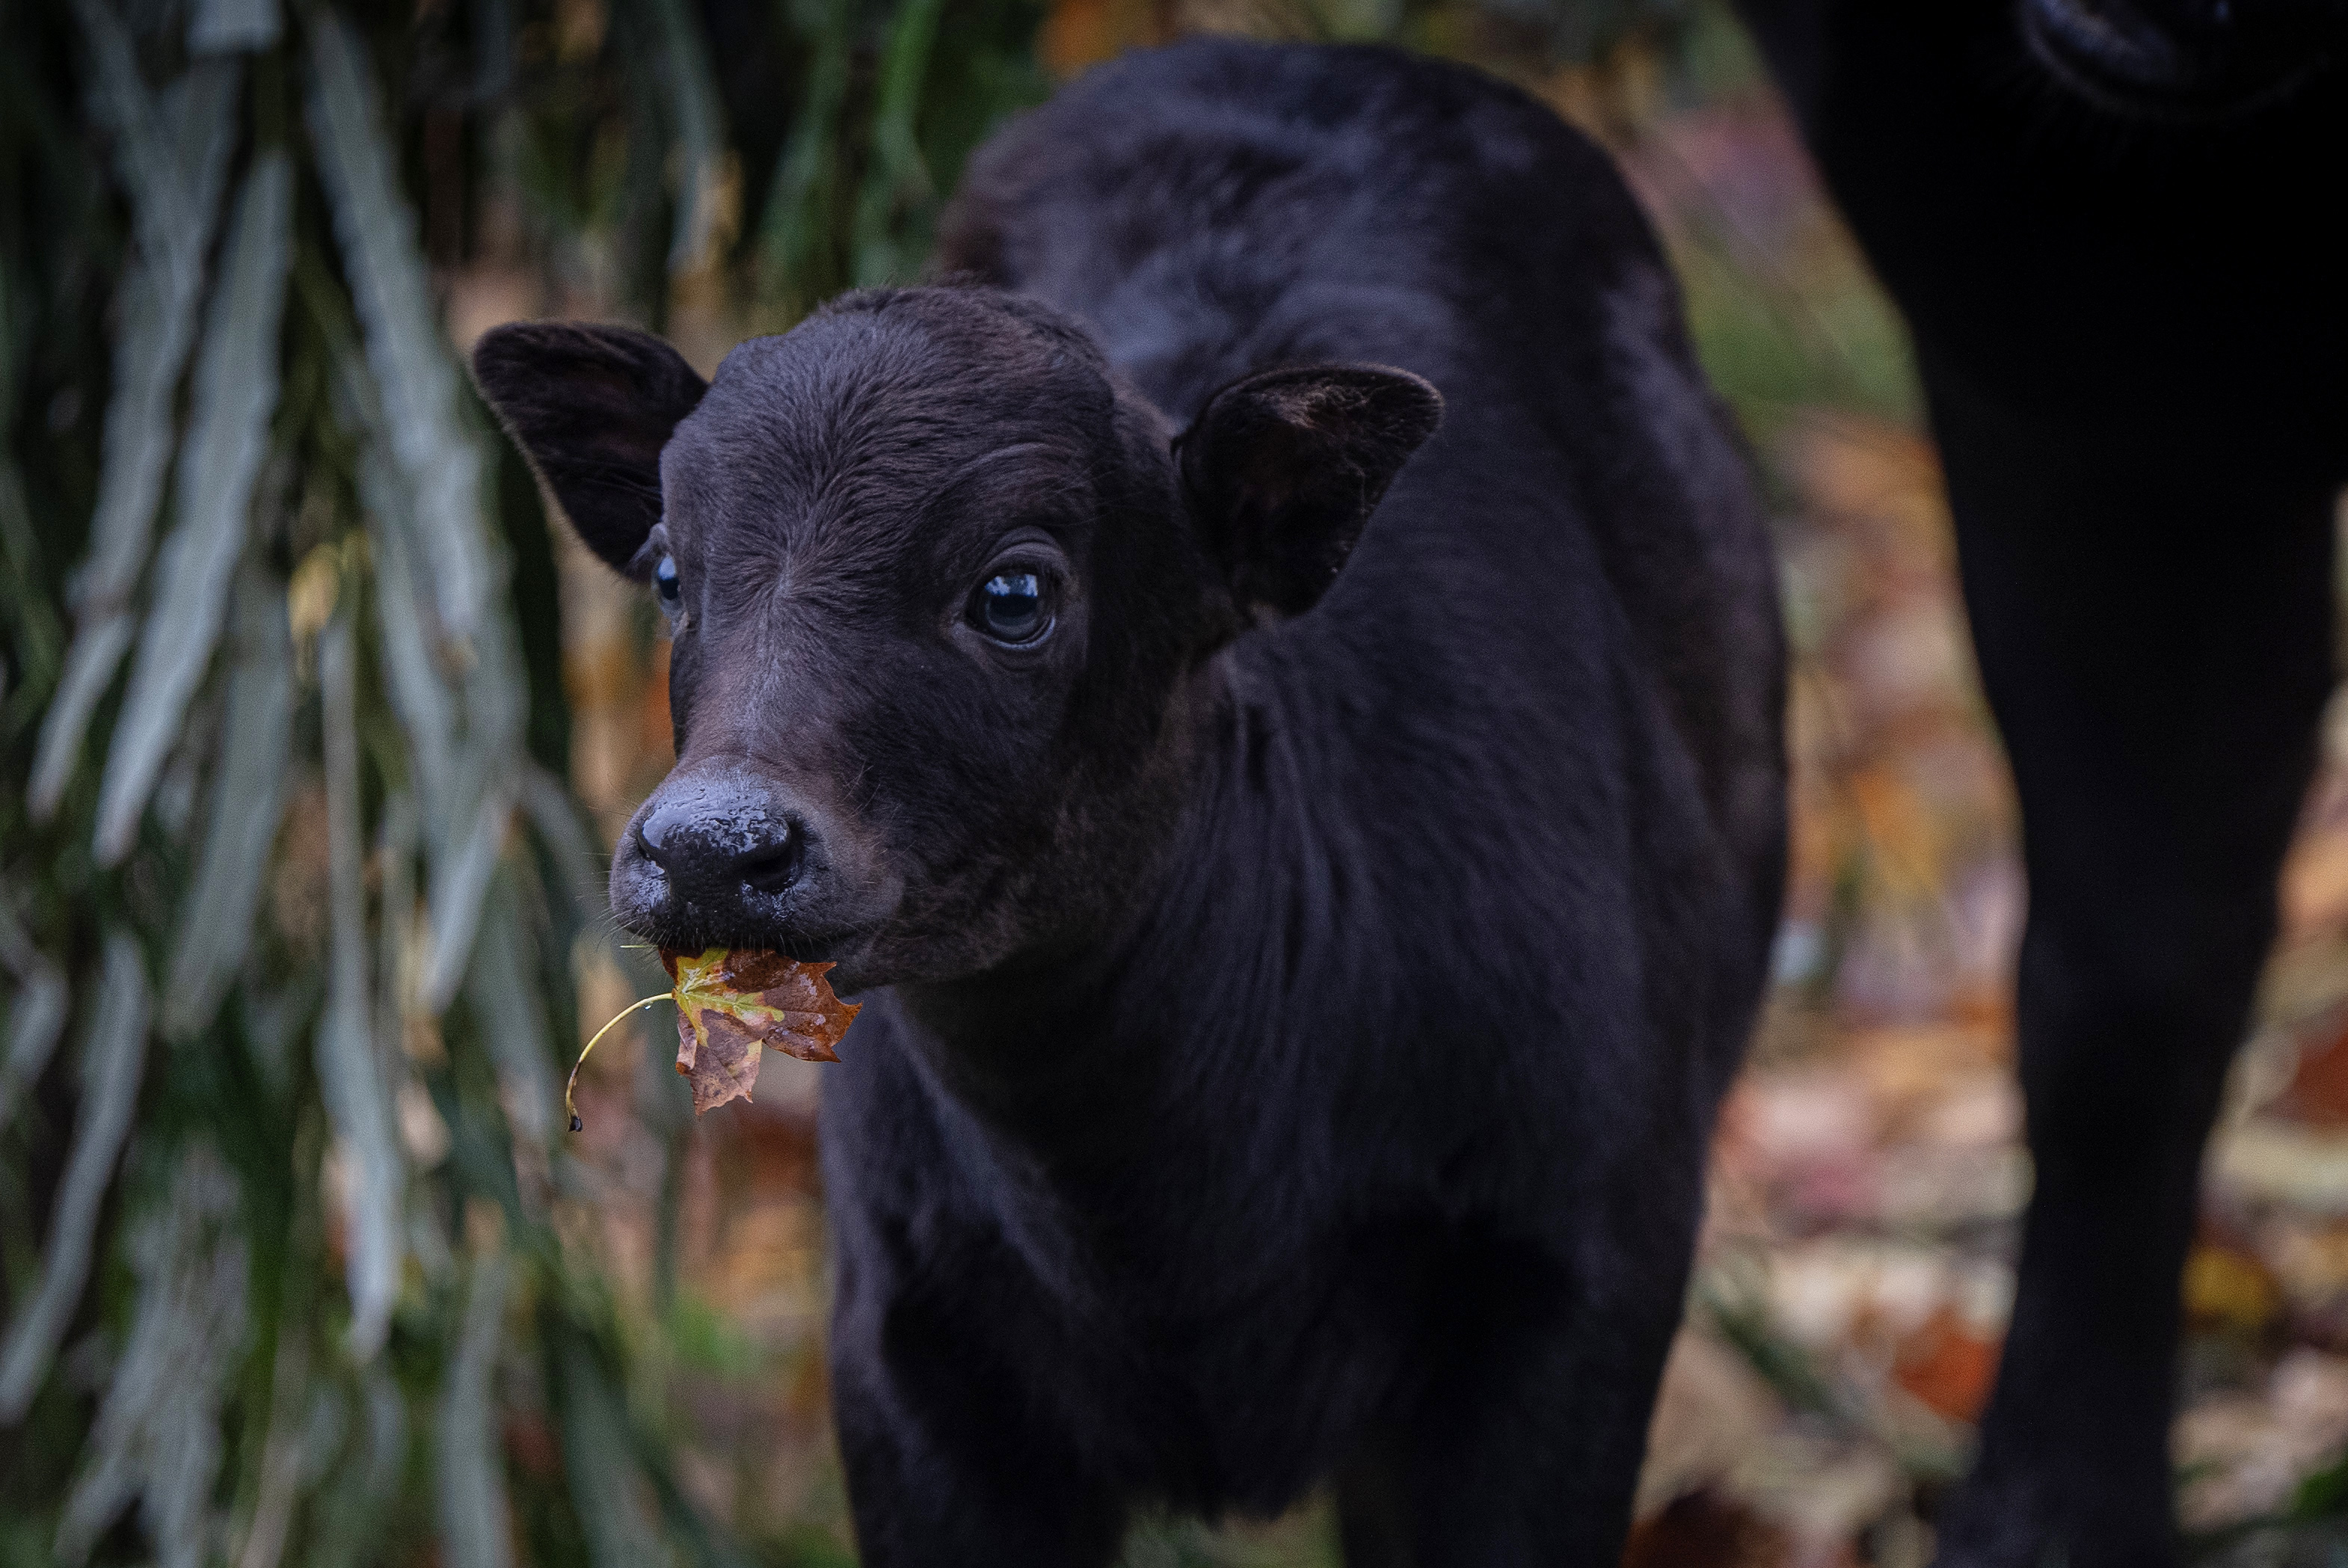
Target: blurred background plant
313,734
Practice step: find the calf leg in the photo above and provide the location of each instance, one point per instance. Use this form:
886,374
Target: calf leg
2153,621
1522,1447
946,1463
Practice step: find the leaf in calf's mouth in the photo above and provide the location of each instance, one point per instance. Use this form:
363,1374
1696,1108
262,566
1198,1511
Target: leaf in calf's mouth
731,1005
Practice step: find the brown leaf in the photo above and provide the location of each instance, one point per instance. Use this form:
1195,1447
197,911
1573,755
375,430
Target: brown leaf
731,1004
1949,1366
2318,1092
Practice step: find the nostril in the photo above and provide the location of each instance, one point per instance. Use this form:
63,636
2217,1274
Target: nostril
773,868
656,834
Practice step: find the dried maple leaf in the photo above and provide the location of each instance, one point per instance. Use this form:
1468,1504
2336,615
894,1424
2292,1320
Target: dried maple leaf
732,1005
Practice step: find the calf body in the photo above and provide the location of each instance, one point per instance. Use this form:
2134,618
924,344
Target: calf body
1303,1069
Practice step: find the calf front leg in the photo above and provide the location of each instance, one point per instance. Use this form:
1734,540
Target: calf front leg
944,1460
1521,1446
2153,621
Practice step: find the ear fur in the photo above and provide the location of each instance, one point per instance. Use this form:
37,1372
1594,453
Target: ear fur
591,406
1282,468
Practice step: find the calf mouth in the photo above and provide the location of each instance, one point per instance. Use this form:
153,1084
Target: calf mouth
2113,57
690,931
767,910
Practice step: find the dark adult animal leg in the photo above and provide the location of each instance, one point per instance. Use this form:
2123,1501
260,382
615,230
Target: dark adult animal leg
945,1464
2151,602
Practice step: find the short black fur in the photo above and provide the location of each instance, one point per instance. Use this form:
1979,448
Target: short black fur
1300,979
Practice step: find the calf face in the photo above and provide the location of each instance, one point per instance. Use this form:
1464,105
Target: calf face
2185,59
937,585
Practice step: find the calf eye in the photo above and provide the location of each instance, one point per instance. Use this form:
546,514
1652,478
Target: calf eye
665,580
1009,607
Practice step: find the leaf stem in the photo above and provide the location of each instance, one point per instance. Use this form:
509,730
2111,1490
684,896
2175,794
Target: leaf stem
572,1081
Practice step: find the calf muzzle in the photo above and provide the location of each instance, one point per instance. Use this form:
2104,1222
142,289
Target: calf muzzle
714,857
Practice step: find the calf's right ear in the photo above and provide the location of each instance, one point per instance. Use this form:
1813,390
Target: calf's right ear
591,406
1283,468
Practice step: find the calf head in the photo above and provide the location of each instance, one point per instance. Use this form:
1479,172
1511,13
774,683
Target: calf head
2185,59
938,587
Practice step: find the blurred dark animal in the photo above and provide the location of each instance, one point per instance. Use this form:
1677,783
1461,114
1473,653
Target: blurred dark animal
2112,226
1298,996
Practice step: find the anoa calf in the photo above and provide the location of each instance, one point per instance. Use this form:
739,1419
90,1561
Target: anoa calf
1310,869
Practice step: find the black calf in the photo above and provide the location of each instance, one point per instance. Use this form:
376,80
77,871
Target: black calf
1310,895
2110,224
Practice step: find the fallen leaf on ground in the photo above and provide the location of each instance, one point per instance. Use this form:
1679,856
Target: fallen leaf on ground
2317,1093
1949,1366
732,1005
2230,1287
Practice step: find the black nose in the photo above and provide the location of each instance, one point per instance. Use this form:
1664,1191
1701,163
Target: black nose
718,847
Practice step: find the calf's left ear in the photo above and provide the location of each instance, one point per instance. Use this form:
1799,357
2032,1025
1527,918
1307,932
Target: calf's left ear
591,406
1283,468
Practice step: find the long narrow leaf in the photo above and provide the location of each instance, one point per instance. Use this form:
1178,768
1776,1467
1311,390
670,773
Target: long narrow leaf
899,177
235,394
554,819
350,1076
604,1482
36,1021
170,148
794,227
691,94
261,1541
158,1437
222,25
112,1062
96,654
171,152
215,921
38,999
508,1013
428,715
459,884
437,459
468,1461
173,157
